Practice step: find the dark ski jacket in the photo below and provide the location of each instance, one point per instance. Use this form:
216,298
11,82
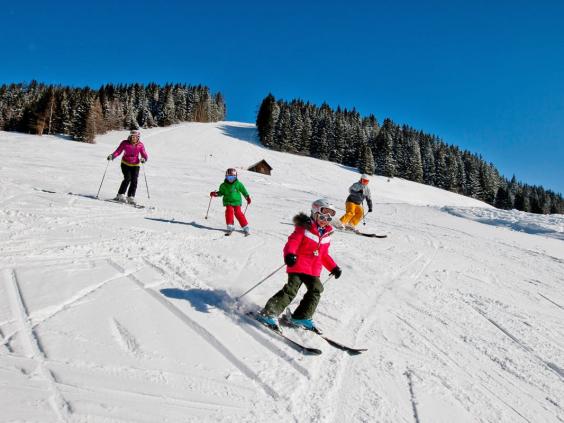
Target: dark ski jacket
358,193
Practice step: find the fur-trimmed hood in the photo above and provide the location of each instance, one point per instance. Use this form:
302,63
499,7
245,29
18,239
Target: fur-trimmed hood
302,220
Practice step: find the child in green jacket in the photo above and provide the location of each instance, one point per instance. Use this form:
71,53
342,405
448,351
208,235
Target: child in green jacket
231,190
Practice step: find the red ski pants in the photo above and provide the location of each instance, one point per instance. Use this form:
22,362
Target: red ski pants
235,210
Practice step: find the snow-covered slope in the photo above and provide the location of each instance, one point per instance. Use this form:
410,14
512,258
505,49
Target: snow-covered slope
114,314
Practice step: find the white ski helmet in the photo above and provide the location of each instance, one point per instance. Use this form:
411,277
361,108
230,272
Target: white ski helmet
323,206
365,177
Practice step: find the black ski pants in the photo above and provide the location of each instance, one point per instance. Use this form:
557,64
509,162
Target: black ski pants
130,175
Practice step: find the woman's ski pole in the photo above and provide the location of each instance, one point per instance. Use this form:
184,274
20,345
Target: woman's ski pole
146,184
103,179
261,281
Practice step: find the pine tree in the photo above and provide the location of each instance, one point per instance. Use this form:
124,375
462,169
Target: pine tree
266,120
366,161
384,161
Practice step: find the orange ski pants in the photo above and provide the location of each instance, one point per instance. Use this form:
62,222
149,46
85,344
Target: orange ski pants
354,214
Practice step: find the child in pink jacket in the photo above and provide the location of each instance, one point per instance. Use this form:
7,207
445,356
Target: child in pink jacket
305,254
131,148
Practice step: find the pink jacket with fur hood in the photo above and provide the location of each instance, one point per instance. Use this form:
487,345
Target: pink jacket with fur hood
311,248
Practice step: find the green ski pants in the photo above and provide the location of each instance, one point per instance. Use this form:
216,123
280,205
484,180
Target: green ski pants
284,297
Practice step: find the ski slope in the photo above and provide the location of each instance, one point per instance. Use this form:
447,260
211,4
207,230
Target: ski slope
114,314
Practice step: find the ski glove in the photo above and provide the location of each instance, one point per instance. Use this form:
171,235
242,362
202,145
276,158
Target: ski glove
213,194
248,200
290,259
336,272
369,209
111,157
143,160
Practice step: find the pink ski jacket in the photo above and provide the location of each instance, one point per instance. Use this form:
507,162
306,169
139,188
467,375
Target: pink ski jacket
311,249
132,151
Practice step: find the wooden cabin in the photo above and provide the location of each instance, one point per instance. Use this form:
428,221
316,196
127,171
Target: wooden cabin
261,167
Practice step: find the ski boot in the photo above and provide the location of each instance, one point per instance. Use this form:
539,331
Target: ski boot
229,230
306,324
247,230
120,198
131,200
268,320
351,228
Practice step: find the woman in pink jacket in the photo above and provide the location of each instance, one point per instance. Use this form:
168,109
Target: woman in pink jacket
131,148
305,253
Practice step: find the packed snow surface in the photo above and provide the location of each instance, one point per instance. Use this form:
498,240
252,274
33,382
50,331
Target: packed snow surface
551,225
114,314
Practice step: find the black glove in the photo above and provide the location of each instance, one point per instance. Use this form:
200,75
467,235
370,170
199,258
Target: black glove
336,272
111,157
369,209
290,259
143,160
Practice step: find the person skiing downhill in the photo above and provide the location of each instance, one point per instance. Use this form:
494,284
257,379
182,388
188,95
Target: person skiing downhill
132,147
358,192
231,190
305,253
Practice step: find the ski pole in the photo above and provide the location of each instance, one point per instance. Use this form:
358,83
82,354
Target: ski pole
246,207
103,179
146,184
327,280
261,281
208,207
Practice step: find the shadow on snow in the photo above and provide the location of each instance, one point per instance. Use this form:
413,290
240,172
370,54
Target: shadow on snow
179,222
201,299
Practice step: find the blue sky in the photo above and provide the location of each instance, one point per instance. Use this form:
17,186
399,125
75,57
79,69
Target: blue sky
485,75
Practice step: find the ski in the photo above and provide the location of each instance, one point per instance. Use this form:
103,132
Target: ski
369,235
137,206
295,345
338,345
350,350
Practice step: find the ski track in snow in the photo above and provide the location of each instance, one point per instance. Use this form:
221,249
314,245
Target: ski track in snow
462,321
206,335
32,346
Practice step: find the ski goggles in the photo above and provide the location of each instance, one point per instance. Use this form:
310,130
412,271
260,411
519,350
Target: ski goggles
326,211
324,217
230,178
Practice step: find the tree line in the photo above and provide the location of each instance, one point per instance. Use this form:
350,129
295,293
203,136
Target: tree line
82,113
343,136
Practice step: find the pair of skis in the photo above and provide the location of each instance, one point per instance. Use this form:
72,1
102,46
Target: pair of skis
229,233
135,205
302,348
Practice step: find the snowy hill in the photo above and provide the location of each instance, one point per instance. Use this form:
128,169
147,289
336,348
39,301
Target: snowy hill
115,314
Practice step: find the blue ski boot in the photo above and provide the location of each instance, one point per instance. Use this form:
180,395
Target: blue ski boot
268,320
304,323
